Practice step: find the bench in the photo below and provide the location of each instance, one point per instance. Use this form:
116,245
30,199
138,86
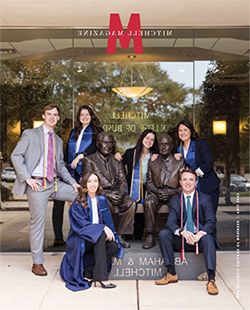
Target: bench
164,209
160,220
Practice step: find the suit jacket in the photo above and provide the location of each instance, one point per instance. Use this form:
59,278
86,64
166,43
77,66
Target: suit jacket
81,229
114,180
157,178
204,160
27,155
207,219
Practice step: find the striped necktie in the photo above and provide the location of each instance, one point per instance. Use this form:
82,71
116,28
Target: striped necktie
50,159
190,225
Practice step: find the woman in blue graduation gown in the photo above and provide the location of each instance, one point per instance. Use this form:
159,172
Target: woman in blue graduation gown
198,157
82,140
92,239
81,143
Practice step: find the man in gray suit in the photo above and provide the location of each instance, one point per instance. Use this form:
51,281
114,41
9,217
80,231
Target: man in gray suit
41,174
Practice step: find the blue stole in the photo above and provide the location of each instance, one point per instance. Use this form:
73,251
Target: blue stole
84,145
190,158
136,190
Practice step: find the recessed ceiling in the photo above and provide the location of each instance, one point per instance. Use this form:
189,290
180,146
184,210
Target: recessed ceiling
61,44
44,29
153,13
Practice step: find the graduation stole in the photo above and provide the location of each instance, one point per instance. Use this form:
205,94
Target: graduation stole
84,145
136,190
182,224
44,181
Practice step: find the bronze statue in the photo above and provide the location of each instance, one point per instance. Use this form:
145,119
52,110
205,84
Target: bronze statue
162,185
113,181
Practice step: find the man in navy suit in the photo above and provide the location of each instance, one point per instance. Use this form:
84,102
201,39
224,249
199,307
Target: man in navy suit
181,233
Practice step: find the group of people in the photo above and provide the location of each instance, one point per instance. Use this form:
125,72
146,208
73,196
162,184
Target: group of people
92,176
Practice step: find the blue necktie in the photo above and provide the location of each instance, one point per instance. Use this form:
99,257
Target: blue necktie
190,225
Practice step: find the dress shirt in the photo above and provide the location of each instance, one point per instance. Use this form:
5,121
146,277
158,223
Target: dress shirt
95,216
78,142
39,170
191,201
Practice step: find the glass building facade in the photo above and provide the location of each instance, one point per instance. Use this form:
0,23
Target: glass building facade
196,74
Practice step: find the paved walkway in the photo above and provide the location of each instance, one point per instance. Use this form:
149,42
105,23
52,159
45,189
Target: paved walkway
20,289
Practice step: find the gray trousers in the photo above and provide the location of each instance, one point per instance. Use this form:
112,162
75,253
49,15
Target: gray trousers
38,205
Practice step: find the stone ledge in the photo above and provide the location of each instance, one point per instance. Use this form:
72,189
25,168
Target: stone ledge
164,209
141,264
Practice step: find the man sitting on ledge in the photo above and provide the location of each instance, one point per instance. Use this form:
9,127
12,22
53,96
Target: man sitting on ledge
190,227
113,181
162,185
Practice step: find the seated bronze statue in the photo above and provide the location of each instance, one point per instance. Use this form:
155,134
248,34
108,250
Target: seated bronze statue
113,182
162,185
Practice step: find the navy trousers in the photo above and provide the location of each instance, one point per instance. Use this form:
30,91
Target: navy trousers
169,243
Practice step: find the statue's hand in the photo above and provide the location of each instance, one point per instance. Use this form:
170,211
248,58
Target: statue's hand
114,197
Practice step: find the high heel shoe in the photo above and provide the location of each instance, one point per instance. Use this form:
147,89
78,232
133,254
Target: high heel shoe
110,285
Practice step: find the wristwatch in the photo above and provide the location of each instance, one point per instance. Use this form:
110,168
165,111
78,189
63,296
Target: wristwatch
180,231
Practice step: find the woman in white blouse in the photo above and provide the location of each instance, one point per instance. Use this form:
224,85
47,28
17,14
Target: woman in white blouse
82,140
81,143
92,239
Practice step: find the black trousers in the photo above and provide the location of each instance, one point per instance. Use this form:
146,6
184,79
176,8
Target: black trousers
103,251
57,218
169,243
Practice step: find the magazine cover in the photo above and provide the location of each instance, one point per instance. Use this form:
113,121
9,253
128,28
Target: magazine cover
124,154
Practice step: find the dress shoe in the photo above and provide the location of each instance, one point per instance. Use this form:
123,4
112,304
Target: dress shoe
58,242
168,278
108,285
150,242
124,243
39,270
202,277
212,288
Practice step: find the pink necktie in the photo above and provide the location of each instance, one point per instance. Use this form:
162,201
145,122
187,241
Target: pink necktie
50,159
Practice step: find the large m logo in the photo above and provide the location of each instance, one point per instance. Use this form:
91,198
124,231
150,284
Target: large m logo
133,29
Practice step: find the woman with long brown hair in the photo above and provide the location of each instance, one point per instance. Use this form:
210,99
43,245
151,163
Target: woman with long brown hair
81,143
92,239
198,157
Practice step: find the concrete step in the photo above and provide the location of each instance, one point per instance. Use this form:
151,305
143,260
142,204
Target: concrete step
141,264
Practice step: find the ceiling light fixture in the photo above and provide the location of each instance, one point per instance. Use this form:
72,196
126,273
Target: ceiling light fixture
132,91
7,51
